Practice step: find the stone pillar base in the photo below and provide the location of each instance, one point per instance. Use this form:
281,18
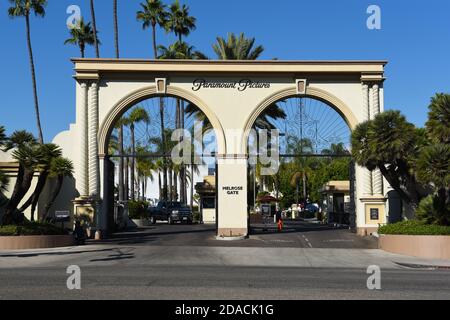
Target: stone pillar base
86,211
232,233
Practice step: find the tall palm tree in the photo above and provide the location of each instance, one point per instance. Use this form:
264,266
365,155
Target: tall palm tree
24,8
60,169
116,29
180,22
26,154
137,115
81,36
144,167
94,28
237,48
153,14
120,147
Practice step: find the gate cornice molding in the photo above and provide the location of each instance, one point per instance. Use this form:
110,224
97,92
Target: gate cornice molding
312,92
151,91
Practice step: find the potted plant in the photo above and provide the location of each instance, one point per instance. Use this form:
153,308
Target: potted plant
137,211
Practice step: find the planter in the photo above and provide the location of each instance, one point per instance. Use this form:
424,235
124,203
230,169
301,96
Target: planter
140,223
432,247
35,242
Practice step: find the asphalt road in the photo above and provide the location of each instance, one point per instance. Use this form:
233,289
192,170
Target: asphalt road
296,234
190,283
185,262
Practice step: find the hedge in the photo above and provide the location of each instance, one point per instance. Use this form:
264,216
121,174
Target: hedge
31,229
414,227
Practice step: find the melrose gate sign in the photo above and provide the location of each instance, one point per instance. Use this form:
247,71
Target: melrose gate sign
232,94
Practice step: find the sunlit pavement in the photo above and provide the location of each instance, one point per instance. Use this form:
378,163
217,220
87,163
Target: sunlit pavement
185,262
296,234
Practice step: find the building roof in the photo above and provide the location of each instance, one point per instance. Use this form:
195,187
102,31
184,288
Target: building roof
91,68
331,186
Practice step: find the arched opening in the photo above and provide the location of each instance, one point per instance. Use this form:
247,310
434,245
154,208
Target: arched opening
300,166
161,154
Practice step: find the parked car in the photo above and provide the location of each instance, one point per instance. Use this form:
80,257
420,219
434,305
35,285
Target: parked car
171,212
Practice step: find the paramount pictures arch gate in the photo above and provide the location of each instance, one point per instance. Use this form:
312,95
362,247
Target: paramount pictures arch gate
232,94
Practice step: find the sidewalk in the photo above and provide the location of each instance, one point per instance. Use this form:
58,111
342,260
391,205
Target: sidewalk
101,255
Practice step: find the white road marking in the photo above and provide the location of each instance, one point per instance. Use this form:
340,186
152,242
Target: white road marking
307,241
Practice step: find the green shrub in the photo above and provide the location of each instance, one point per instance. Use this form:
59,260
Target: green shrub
196,215
414,227
31,229
137,209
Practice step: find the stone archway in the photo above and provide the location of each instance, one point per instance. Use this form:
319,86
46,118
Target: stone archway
148,92
233,96
311,92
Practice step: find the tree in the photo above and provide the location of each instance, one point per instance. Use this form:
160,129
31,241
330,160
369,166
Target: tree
81,36
94,29
433,167
438,125
45,155
116,29
181,24
60,168
179,21
237,48
433,164
137,115
180,50
25,152
153,14
144,167
24,8
392,144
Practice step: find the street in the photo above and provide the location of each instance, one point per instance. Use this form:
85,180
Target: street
185,262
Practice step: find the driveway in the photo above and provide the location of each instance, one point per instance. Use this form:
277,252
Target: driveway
296,234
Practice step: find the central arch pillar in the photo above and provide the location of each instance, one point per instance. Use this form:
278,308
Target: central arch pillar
232,197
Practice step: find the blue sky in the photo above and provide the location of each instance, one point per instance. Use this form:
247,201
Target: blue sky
415,38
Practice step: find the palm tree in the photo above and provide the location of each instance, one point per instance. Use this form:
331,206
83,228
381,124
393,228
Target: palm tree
137,115
180,50
438,124
144,167
153,13
336,149
237,48
26,154
179,21
94,28
81,36
120,144
23,8
116,29
60,168
46,153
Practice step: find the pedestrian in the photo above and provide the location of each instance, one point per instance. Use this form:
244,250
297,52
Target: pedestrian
79,234
279,221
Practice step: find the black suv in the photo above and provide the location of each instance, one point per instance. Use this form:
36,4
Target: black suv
171,212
